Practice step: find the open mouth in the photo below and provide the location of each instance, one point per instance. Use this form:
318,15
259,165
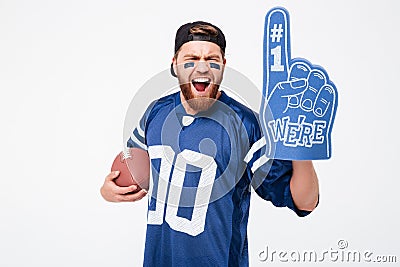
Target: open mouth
201,84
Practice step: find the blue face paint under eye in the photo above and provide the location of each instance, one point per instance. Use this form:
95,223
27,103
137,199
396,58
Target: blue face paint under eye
188,65
215,66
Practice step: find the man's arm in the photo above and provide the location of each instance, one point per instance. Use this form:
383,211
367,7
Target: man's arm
304,185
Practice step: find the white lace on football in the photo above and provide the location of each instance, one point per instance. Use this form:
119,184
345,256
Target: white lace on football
126,153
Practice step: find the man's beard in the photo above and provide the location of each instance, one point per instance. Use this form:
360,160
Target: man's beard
199,103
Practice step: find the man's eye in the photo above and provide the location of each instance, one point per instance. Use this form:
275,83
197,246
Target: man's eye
188,65
214,65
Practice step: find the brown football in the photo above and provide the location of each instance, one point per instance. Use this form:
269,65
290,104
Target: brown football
133,165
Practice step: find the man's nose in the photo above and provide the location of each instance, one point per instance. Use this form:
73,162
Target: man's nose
202,67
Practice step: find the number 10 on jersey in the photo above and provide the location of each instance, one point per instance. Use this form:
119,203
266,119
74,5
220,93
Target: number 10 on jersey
170,193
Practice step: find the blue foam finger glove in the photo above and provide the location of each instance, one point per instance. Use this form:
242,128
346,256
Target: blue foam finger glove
299,101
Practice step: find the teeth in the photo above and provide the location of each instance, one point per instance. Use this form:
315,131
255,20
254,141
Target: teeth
201,80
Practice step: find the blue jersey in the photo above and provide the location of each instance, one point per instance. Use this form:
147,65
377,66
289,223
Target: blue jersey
203,168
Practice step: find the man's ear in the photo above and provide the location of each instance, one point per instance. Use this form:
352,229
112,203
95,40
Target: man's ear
174,64
173,67
223,64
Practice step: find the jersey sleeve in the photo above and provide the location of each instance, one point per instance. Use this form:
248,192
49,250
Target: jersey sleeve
138,136
271,177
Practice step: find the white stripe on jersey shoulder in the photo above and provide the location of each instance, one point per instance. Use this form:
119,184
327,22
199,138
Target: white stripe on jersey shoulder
140,130
259,162
137,141
256,146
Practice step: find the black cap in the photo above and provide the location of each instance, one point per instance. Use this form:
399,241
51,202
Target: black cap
183,36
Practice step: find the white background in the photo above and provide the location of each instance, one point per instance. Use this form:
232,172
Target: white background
69,69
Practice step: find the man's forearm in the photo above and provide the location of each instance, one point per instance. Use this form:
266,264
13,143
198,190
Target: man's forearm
304,185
